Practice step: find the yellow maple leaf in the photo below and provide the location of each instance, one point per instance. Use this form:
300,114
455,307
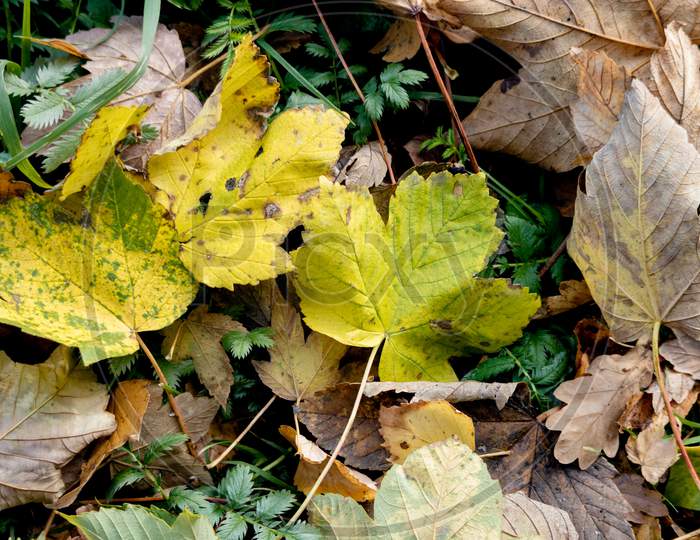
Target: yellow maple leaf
234,186
97,145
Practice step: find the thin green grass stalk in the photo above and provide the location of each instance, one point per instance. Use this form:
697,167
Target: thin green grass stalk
26,32
8,128
151,12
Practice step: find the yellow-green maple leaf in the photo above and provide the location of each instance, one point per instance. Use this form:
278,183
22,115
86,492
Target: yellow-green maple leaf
97,145
410,283
234,186
92,280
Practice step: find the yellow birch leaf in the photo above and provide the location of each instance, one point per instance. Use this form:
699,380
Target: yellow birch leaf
97,145
410,426
234,186
91,281
412,281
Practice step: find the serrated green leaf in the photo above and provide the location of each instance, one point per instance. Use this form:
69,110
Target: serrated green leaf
122,479
55,72
92,280
526,275
44,110
237,485
274,504
491,368
238,343
120,365
17,86
410,282
136,523
525,238
163,445
233,527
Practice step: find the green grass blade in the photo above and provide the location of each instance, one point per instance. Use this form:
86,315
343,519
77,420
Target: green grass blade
26,32
8,128
151,12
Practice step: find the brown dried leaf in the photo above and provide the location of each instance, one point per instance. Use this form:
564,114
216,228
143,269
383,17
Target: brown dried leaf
637,223
642,499
400,42
340,479
52,411
454,392
594,403
653,451
684,354
365,167
524,517
675,80
128,404
572,294
327,412
686,12
601,88
678,386
9,187
199,337
532,119
298,367
410,426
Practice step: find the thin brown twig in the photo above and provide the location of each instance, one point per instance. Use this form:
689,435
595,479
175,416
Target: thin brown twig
341,440
667,403
357,88
688,536
446,94
558,253
657,19
49,522
242,434
171,399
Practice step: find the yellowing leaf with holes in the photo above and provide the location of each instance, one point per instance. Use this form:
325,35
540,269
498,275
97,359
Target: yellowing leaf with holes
91,280
199,338
52,411
298,367
413,425
636,227
235,186
97,145
442,490
412,281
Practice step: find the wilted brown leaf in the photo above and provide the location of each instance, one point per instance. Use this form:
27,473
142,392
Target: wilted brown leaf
9,187
678,386
594,403
400,42
173,107
684,354
298,368
454,392
199,337
686,12
52,411
524,517
572,294
642,499
410,426
327,412
340,479
653,451
636,224
128,404
365,167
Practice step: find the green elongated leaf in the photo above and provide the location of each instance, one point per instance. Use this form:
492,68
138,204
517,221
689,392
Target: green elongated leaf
137,523
91,281
53,410
680,489
442,490
410,281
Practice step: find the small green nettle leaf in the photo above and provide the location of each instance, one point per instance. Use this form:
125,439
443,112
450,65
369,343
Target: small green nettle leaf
411,282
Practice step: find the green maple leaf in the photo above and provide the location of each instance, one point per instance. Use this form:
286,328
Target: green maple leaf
410,283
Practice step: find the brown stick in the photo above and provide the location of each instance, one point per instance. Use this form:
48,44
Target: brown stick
357,88
171,399
667,403
242,434
446,95
550,262
49,522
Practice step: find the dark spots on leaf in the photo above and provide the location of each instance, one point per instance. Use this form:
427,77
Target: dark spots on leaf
210,256
348,214
271,210
404,445
214,147
485,343
230,184
182,177
259,152
458,190
242,211
508,83
303,197
441,324
203,203
200,242
241,183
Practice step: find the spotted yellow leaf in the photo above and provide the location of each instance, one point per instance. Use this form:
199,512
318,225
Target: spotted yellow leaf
410,283
94,279
97,145
234,186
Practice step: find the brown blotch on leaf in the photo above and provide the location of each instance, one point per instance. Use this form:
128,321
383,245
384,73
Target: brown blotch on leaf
271,210
230,184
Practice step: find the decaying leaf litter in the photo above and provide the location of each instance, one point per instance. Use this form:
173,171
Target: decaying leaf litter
247,279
